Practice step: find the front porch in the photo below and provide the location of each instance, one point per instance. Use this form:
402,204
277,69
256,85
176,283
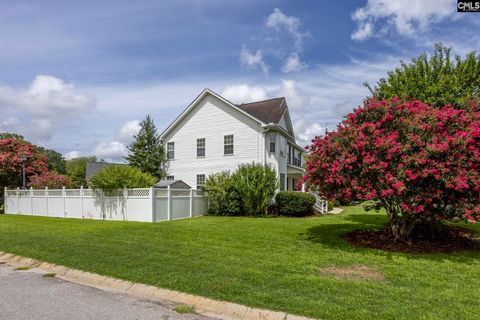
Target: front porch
294,174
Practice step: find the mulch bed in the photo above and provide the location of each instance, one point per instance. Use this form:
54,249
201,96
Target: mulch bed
446,239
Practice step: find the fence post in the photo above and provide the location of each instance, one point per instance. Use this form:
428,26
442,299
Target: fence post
152,203
191,203
64,205
5,200
46,199
18,200
169,203
81,200
31,200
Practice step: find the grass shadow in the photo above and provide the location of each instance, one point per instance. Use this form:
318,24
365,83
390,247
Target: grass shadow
332,235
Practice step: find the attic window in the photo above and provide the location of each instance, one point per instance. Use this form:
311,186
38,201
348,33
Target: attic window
170,178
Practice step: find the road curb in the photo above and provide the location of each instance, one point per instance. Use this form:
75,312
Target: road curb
204,306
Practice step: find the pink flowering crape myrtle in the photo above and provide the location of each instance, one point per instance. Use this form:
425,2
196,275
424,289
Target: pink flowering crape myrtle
418,162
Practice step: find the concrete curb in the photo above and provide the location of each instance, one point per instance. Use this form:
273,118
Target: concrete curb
204,306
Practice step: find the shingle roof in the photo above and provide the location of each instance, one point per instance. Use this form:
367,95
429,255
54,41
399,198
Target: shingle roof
94,167
174,184
268,111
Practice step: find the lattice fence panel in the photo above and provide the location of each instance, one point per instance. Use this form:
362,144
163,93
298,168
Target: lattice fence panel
199,193
72,192
138,192
55,193
161,193
39,192
180,192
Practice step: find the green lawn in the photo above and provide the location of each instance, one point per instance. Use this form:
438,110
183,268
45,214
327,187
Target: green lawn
269,263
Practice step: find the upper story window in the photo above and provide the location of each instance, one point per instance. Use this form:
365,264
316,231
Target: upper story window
272,141
170,178
201,147
170,150
228,144
282,145
200,180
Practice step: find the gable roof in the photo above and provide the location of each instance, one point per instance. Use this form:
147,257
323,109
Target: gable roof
196,101
94,167
174,184
268,111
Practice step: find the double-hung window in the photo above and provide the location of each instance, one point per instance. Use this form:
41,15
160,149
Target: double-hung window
201,147
272,142
170,150
228,144
200,180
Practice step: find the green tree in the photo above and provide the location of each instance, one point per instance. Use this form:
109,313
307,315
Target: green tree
146,152
121,176
55,160
76,169
11,135
437,80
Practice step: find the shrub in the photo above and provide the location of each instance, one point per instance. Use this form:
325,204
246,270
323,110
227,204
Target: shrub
121,176
330,204
248,191
51,180
294,204
256,185
224,198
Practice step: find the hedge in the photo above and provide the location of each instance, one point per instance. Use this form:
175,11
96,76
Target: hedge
294,204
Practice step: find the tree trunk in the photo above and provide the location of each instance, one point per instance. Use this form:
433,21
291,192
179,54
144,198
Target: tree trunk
401,225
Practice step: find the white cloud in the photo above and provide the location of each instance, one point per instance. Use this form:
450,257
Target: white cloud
244,93
308,131
36,129
41,106
253,60
278,20
293,64
47,96
111,151
406,17
128,130
72,155
295,99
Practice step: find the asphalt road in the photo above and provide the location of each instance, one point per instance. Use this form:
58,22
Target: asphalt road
30,296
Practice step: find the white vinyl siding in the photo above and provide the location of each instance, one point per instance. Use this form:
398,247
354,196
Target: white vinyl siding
213,119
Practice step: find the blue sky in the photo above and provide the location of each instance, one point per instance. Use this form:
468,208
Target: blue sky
77,76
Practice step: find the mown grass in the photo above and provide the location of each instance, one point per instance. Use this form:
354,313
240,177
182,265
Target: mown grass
270,263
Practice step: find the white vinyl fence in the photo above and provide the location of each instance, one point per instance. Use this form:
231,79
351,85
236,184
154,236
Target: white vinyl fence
149,204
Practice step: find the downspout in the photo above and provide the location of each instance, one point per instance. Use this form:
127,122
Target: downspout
264,143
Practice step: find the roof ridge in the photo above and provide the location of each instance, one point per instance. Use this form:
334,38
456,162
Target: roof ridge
241,104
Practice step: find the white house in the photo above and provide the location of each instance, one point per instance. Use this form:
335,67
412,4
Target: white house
213,134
